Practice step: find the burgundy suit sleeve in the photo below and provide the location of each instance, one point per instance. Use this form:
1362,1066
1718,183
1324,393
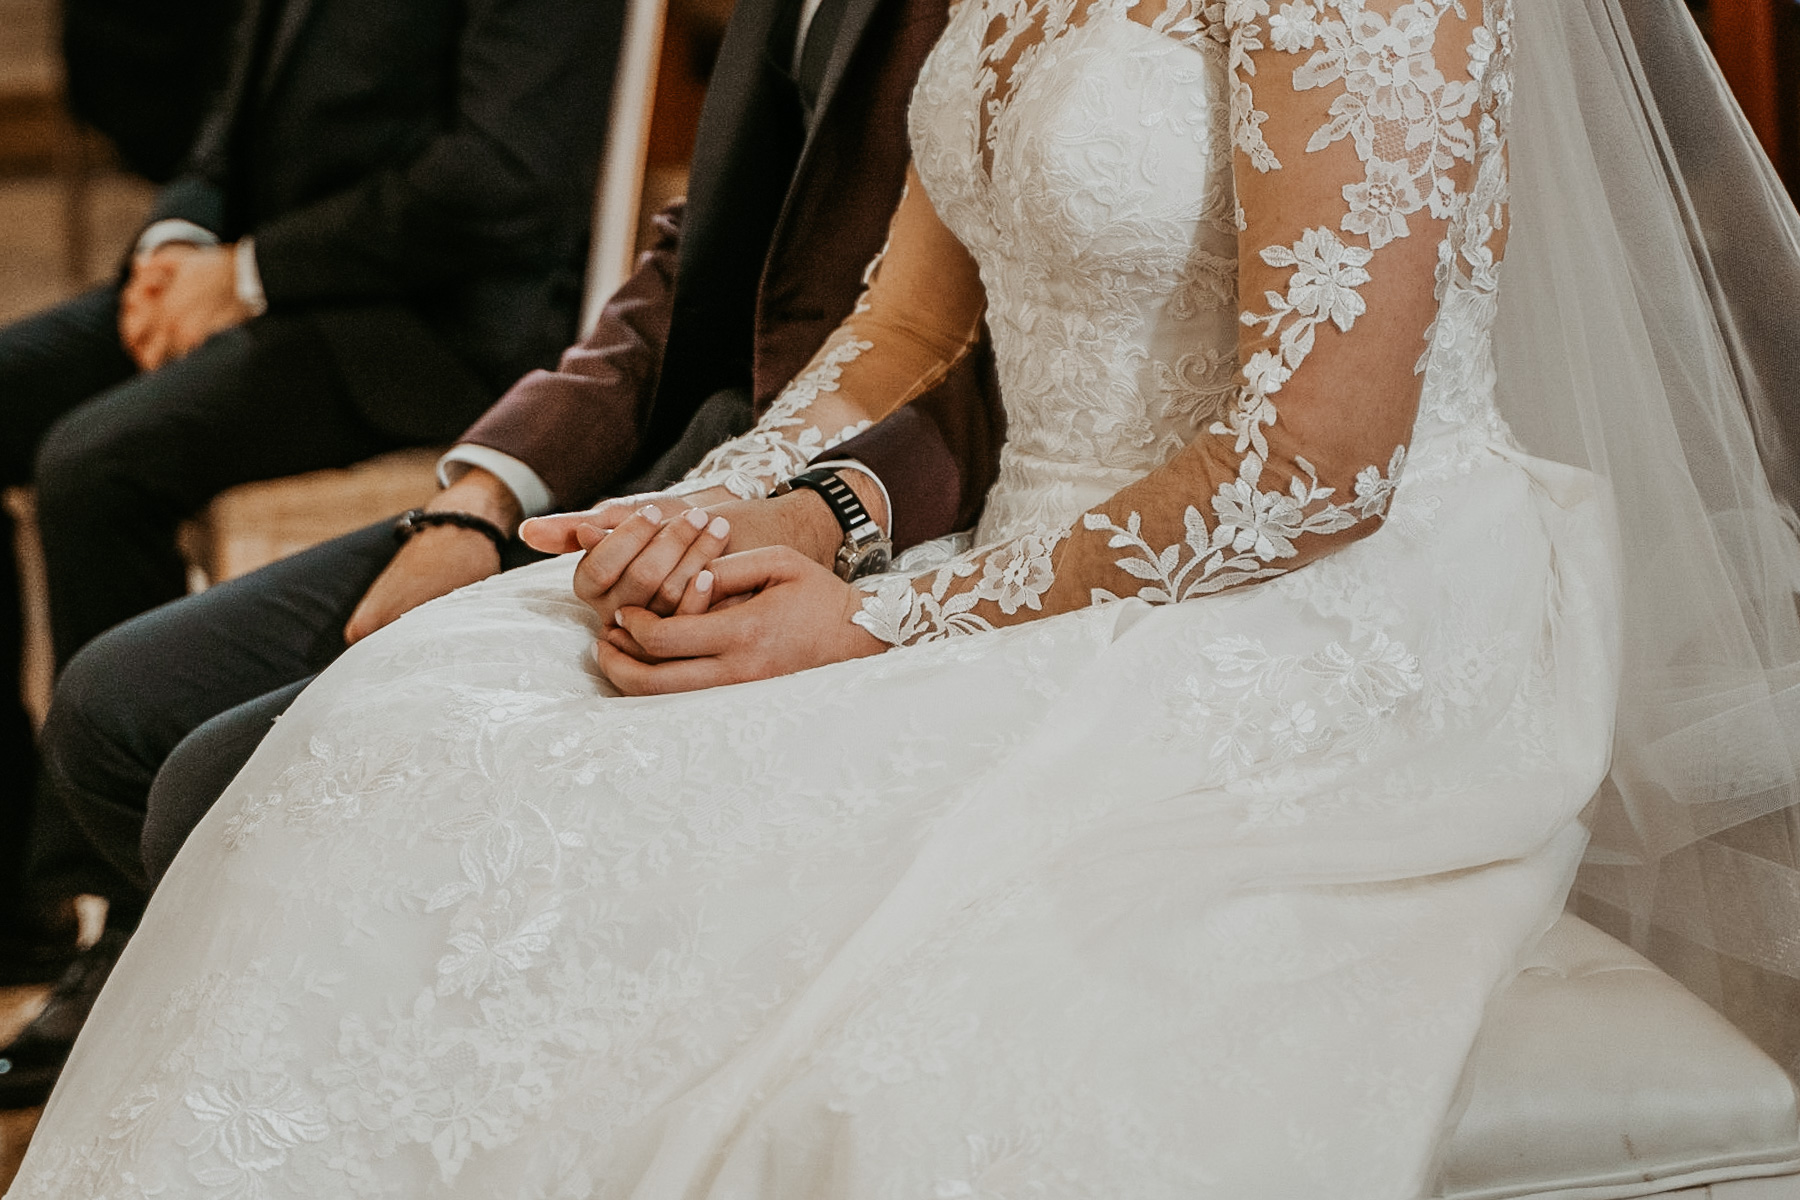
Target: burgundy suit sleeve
578,426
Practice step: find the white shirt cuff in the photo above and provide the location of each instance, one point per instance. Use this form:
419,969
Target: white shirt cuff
249,279
174,229
850,464
523,482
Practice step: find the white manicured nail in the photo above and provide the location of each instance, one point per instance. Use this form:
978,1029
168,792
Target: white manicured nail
719,527
703,582
650,512
696,517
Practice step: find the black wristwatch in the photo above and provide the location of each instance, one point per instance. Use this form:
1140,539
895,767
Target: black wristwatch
866,549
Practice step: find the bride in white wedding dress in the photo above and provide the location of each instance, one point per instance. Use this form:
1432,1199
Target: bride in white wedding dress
1175,848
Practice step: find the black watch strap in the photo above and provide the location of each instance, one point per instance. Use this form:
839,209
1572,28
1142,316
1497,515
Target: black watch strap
839,496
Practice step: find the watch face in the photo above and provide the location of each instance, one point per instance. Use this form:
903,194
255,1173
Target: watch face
866,560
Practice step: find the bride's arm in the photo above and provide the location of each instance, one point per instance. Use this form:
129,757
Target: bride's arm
919,315
1356,129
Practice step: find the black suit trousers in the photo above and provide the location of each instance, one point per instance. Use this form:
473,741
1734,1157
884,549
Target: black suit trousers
118,459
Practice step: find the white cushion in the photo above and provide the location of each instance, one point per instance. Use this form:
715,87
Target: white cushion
1598,1077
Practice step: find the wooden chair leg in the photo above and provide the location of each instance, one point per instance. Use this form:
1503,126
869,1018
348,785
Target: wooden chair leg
36,670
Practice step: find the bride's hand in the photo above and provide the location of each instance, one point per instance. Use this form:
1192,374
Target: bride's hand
563,533
787,613
649,561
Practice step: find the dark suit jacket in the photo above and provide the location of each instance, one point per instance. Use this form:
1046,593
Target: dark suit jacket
746,284
418,175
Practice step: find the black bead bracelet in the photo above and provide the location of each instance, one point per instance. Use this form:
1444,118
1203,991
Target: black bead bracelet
415,519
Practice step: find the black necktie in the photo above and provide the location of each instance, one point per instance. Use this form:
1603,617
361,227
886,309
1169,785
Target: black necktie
808,74
821,39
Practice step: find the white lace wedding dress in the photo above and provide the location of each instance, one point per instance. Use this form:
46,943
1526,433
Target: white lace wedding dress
1141,899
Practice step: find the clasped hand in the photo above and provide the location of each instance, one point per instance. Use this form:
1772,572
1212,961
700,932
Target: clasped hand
178,295
699,596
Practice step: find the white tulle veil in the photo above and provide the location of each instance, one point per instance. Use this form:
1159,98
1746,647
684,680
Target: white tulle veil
1649,330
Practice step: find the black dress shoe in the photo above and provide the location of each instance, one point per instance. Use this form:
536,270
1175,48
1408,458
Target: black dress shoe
30,1063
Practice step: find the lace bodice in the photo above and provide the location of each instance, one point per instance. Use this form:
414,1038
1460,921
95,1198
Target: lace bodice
1233,257
1097,200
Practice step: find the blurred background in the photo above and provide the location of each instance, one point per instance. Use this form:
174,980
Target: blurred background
99,100
64,191
1757,43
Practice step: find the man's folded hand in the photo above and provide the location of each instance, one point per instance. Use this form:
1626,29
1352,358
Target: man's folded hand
178,296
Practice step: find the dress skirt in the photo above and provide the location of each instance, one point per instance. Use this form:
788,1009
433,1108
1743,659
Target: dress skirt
1137,902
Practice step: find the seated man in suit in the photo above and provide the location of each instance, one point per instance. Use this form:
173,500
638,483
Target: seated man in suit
383,226
799,163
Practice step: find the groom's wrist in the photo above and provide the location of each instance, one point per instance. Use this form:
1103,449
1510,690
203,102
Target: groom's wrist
810,523
807,525
480,493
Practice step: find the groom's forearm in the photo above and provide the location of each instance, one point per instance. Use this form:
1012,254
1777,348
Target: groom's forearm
806,523
579,427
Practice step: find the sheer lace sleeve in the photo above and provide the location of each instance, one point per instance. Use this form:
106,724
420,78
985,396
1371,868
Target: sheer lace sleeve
1369,173
919,315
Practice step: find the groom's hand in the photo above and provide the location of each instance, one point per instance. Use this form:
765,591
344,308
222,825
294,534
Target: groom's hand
644,551
649,557
438,559
802,523
767,612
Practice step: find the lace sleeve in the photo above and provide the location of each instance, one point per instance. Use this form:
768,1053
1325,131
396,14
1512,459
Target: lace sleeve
919,315
1357,128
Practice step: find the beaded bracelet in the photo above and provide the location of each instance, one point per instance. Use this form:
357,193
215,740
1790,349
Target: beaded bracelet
415,519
